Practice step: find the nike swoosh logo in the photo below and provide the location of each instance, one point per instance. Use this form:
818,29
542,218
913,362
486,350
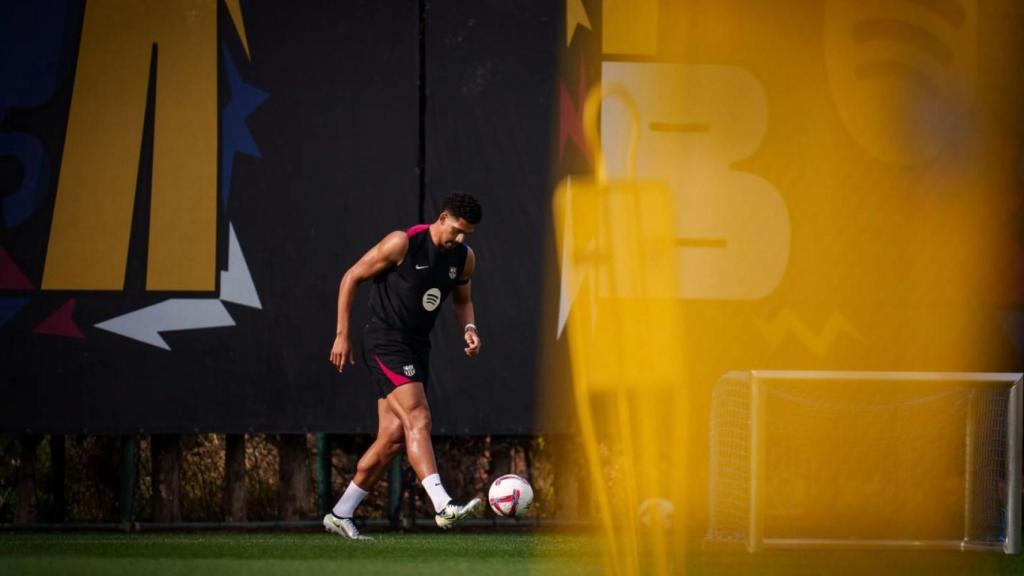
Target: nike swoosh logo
418,267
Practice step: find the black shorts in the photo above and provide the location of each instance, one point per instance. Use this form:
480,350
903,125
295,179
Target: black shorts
393,357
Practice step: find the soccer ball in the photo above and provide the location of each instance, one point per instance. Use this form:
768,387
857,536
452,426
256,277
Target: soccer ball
510,495
656,513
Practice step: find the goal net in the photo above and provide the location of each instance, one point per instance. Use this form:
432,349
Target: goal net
866,459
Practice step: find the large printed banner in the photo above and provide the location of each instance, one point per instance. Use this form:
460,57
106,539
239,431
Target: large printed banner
184,182
847,177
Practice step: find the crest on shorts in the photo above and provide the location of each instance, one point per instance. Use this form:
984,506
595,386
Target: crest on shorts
409,369
453,272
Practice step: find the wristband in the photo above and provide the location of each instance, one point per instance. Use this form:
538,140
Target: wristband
468,326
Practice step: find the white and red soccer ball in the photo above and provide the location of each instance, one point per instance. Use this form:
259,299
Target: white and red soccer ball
510,495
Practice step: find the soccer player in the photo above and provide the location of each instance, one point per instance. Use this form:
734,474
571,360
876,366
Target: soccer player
413,272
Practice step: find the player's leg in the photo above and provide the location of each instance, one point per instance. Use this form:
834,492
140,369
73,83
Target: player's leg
374,461
389,442
409,403
371,466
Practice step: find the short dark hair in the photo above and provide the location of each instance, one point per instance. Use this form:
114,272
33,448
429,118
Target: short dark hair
464,206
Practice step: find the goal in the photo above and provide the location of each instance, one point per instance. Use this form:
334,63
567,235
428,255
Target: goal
805,459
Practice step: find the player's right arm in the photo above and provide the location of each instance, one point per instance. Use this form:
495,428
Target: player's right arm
387,253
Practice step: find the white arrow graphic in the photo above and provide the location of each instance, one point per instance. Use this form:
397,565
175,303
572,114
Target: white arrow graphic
236,284
573,274
145,325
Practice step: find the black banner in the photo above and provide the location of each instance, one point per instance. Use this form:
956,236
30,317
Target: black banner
319,151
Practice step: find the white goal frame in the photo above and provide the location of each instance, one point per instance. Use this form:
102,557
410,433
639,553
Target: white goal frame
755,538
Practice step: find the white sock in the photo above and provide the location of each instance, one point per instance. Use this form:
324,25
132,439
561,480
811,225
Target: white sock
438,495
346,506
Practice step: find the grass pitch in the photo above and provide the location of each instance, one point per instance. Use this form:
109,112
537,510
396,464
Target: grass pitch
488,553
157,554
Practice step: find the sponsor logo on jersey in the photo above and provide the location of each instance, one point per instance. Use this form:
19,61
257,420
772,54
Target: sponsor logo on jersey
431,299
409,370
453,272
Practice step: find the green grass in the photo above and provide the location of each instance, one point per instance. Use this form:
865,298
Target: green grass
298,553
857,563
485,553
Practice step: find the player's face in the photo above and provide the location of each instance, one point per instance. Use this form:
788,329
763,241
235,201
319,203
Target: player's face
454,231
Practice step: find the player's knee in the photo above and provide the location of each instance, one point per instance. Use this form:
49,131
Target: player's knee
419,421
393,434
393,438
394,448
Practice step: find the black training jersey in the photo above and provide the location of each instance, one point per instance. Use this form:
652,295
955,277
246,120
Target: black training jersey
409,296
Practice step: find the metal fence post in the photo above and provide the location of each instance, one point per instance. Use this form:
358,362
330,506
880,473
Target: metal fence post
395,491
323,473
129,448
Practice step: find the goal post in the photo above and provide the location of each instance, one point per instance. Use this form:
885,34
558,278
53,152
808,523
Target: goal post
844,459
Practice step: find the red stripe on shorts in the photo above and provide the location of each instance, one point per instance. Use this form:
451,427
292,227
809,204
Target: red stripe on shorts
396,378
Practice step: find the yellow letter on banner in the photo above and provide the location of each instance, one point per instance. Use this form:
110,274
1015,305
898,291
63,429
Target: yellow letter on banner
629,27
732,228
89,236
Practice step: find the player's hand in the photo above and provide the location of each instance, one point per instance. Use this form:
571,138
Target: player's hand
472,342
341,353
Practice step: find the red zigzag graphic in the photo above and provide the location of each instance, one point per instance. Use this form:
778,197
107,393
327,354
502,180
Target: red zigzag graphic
11,276
570,115
61,322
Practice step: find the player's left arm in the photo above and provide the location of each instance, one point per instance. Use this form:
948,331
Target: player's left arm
463,303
